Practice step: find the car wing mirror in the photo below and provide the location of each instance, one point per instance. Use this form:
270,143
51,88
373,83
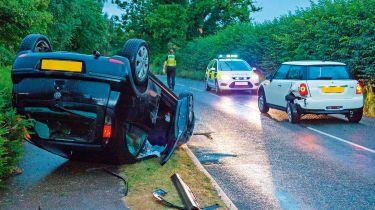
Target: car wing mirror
269,77
184,121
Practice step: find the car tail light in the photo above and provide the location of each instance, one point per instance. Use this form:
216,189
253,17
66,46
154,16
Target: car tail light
115,61
359,89
303,89
107,131
107,128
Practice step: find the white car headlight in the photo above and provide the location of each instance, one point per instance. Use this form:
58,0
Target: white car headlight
255,77
225,77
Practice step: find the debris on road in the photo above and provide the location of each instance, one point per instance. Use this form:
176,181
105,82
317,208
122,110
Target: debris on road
206,134
185,193
159,196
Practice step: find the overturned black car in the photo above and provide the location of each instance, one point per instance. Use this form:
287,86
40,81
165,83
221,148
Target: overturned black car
98,108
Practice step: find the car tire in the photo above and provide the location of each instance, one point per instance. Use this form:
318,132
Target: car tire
218,91
137,52
262,103
356,117
208,88
35,43
292,111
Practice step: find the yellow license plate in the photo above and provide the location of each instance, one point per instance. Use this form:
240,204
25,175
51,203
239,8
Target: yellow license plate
61,65
332,89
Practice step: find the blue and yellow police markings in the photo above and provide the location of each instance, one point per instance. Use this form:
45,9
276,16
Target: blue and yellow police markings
212,74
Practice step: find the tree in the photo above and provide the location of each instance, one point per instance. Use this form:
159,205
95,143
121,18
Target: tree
175,22
17,19
78,25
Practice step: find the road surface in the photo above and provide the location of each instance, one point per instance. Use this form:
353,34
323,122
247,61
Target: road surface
261,161
51,182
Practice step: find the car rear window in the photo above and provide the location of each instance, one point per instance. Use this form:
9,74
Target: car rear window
327,73
234,66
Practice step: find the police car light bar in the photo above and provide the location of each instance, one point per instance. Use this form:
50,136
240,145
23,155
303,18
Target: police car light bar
229,56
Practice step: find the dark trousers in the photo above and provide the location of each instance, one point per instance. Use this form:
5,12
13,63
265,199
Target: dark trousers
171,74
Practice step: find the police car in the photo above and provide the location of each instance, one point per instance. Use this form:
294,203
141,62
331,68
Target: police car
230,73
312,87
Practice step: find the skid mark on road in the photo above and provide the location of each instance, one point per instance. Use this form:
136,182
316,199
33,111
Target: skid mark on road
342,140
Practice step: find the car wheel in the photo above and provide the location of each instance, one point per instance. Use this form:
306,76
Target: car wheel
137,52
35,43
218,91
293,115
262,103
355,117
208,88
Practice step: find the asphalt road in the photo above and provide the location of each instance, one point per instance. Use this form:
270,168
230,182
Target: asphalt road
51,182
264,162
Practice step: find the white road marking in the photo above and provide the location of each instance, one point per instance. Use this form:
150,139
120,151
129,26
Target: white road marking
342,140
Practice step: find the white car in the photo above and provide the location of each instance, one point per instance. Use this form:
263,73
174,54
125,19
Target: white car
230,73
312,87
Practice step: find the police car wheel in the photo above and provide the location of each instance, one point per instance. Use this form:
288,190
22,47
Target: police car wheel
35,43
293,115
137,51
208,88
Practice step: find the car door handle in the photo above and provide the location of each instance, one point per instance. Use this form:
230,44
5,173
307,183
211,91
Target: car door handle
279,85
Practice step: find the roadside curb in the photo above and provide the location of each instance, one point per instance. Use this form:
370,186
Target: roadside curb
229,204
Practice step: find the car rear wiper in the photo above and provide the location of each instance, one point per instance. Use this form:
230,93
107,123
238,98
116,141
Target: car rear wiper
72,112
324,78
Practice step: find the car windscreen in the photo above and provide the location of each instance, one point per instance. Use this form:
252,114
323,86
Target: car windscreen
327,73
234,66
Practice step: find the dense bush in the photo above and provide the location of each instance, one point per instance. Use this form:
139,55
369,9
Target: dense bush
12,132
340,30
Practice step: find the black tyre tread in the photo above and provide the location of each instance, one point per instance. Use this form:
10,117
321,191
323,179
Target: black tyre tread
356,117
265,107
295,115
28,43
129,51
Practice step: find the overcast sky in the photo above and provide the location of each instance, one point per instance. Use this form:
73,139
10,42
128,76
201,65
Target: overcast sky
271,8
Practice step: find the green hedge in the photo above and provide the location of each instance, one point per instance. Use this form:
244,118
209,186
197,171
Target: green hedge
12,128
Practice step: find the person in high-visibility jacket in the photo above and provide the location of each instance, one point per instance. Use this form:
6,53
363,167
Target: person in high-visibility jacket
169,67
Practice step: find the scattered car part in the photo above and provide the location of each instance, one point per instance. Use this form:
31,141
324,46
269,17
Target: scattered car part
185,192
159,194
187,195
206,134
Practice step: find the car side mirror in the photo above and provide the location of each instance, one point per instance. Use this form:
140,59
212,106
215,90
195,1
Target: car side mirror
269,77
254,69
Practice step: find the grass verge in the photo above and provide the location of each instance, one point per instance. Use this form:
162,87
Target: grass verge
146,176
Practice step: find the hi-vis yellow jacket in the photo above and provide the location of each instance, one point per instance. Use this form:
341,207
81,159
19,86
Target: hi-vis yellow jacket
171,60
